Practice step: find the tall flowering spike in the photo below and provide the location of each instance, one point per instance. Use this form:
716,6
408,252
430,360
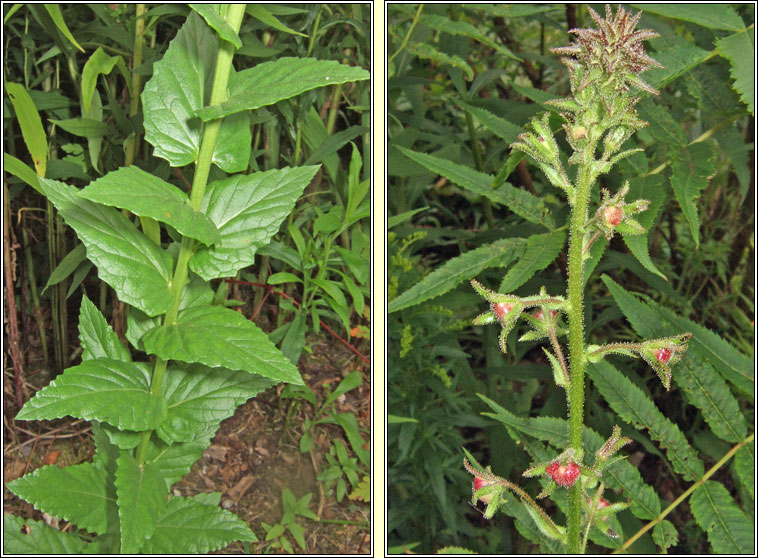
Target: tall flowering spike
613,50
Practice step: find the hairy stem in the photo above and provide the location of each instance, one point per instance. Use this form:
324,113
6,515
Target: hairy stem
576,337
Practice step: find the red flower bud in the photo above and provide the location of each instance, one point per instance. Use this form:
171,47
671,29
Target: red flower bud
565,475
500,309
663,355
613,215
603,503
479,483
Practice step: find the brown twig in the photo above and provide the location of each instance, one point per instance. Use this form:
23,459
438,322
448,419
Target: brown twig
10,299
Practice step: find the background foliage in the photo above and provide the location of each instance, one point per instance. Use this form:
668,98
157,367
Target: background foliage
463,81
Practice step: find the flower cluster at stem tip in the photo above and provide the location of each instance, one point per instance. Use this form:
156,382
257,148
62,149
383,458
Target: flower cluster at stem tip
603,66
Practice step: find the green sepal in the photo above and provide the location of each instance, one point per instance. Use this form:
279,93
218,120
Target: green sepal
558,375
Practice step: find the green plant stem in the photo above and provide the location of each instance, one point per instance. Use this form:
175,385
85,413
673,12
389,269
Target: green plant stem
576,337
685,494
202,170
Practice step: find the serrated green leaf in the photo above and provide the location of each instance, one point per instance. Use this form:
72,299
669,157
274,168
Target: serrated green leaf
137,269
106,390
77,493
501,127
234,144
691,171
217,336
30,124
195,293
199,398
662,125
707,391
734,366
631,404
455,271
171,125
277,80
744,465
141,494
175,461
210,14
247,210
665,534
729,530
189,526
98,338
677,61
712,16
541,250
426,51
740,51
40,538
521,202
148,196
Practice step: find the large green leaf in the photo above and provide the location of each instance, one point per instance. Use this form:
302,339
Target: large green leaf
141,494
217,336
455,271
148,196
199,398
98,338
190,526
106,390
176,460
247,210
274,81
38,539
137,269
180,85
79,495
730,530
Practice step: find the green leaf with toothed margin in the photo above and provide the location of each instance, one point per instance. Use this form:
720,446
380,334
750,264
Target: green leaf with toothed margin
457,270
217,336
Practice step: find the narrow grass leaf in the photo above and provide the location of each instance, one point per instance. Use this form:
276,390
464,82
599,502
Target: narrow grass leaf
30,124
